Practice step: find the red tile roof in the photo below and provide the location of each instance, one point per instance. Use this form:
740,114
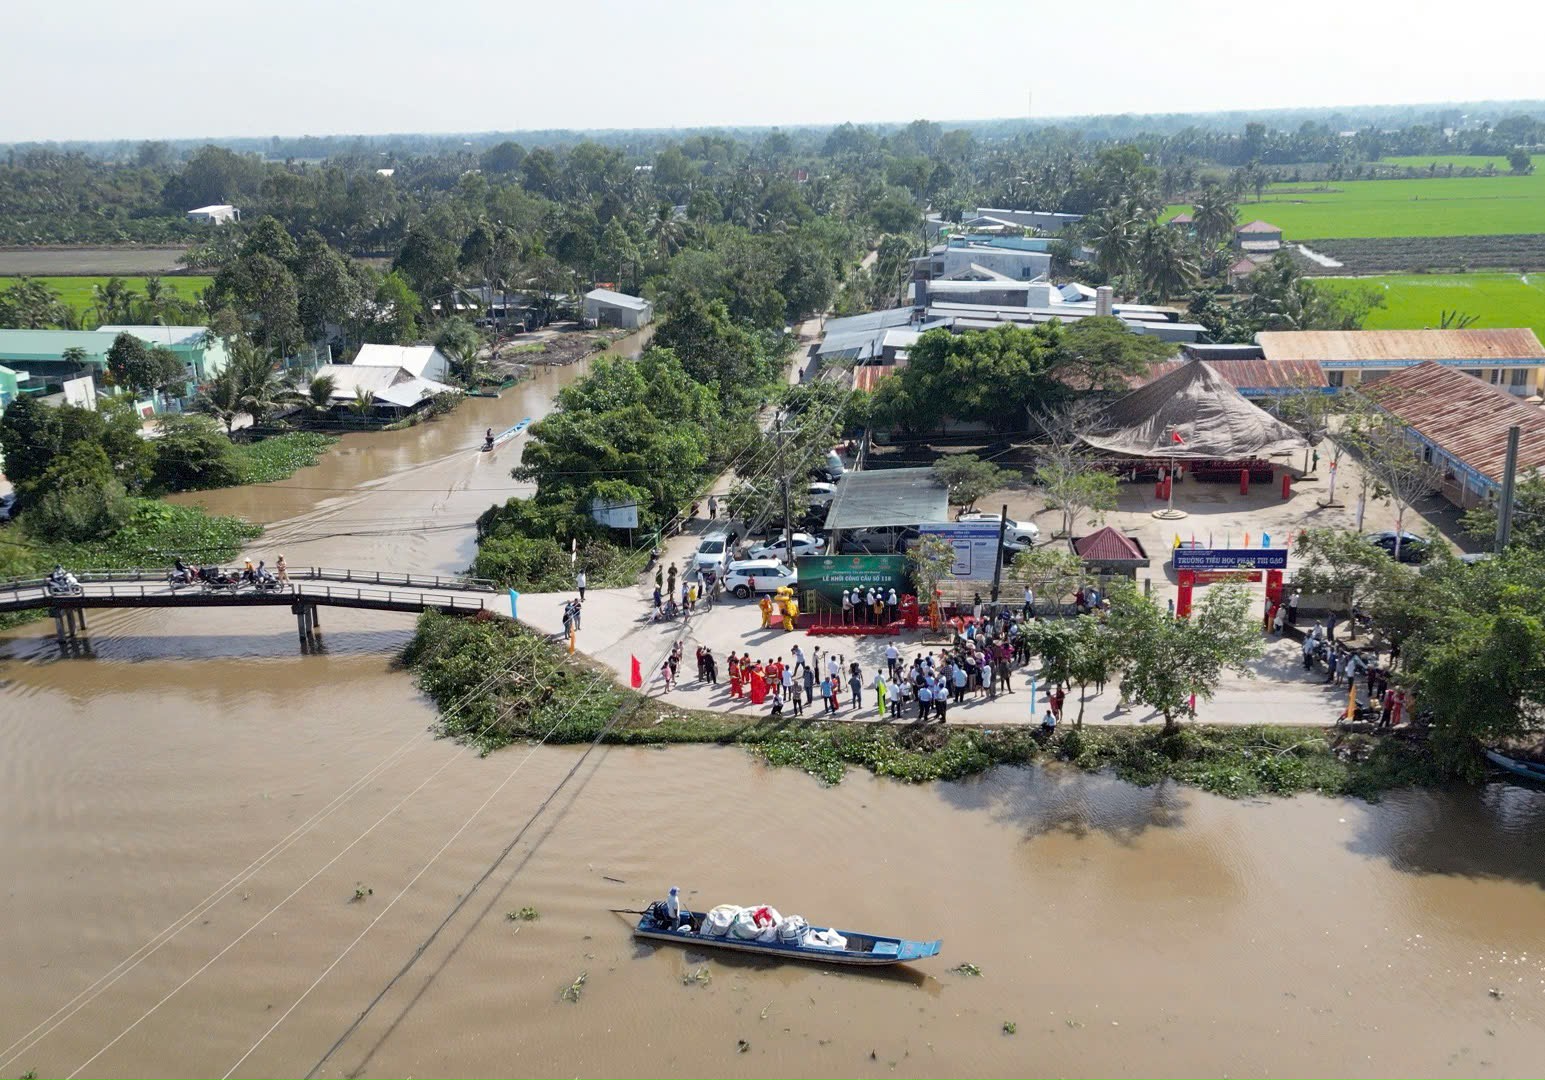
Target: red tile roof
1463,416
1108,545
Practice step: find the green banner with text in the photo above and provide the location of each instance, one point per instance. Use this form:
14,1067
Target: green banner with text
829,575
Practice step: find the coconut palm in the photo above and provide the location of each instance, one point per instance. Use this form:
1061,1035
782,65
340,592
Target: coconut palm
1163,261
221,398
364,401
1113,232
1213,217
666,232
319,393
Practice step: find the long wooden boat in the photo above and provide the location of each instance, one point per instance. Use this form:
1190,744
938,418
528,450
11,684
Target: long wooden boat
1530,770
864,950
507,434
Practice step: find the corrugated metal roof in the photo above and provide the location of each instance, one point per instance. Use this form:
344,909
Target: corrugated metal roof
1400,345
880,497
1250,373
1463,416
1259,226
865,376
617,299
50,344
1108,545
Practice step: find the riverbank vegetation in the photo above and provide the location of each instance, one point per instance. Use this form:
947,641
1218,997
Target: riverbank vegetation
497,683
1470,636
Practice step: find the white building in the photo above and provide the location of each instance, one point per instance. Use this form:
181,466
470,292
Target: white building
217,214
607,308
419,361
394,390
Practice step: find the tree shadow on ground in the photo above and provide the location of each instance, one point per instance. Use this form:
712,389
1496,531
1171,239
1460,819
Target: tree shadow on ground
1495,830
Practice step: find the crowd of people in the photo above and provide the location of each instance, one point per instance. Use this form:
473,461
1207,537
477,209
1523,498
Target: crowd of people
979,664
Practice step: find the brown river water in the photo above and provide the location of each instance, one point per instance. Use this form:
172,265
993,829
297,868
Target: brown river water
196,774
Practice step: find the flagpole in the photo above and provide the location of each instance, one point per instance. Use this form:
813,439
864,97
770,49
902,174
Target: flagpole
1169,513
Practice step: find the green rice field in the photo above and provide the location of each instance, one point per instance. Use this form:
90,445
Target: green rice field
1415,301
77,291
1440,206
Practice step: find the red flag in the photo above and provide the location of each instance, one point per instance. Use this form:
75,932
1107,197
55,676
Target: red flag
637,680
1175,437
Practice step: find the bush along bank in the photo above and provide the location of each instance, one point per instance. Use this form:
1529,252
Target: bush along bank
547,691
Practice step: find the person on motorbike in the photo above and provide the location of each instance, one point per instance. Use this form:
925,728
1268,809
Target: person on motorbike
247,573
181,573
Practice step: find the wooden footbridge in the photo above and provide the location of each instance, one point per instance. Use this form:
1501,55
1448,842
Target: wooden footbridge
307,590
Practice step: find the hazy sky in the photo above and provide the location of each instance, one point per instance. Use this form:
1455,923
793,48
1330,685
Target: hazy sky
105,69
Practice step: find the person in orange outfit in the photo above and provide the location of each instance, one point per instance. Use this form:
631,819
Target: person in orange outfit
758,685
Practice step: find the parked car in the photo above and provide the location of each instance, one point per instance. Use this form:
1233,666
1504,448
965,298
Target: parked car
804,544
879,540
1017,535
767,575
1413,548
821,493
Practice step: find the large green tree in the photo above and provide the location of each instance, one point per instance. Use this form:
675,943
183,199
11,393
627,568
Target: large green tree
1102,353
714,350
1167,660
136,366
991,376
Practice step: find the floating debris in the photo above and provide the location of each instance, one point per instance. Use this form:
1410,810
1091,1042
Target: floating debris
575,988
741,1046
525,914
701,977
966,969
1009,1027
360,892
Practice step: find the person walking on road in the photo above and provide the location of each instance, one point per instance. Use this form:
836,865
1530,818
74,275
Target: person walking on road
1029,607
880,690
1292,612
579,583
713,507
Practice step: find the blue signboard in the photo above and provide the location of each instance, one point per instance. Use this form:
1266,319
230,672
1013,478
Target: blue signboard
1184,558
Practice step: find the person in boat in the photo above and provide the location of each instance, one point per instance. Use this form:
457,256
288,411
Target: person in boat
488,439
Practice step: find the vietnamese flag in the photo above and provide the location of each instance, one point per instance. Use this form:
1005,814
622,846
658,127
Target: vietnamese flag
637,681
1175,438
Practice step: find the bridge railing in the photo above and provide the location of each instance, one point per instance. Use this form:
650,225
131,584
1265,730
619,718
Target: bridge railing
378,577
303,573
322,592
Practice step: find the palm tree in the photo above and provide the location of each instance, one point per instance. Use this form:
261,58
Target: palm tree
1114,233
319,394
666,232
364,401
1165,264
221,398
1213,216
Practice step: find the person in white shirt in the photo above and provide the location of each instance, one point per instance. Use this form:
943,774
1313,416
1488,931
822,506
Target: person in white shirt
892,660
1029,608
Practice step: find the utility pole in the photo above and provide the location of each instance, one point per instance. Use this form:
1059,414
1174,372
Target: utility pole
788,524
1509,476
997,565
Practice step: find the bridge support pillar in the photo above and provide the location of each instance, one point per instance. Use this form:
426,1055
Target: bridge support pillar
315,622
59,625
303,622
80,618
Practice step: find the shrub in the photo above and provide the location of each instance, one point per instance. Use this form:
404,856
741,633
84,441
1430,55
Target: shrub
192,454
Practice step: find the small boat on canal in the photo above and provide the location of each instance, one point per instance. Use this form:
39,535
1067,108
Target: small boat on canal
506,435
726,927
1529,770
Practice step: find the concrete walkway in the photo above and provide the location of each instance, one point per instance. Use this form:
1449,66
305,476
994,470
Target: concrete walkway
615,628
